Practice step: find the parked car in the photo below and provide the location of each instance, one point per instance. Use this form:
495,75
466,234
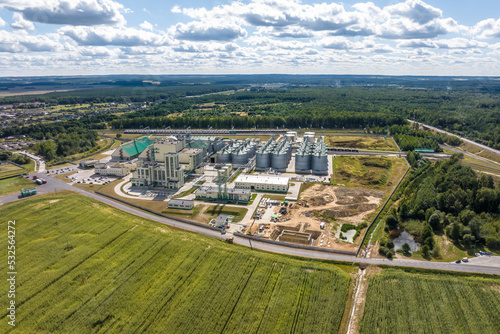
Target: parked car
458,261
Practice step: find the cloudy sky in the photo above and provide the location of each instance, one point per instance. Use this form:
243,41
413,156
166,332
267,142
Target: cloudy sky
67,37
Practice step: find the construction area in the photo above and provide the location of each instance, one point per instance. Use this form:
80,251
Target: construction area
317,218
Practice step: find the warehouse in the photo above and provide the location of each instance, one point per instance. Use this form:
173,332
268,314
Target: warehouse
112,169
263,183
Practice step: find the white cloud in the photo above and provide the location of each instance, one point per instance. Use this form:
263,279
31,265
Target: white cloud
19,42
2,22
489,28
68,12
453,43
415,10
146,25
20,23
208,31
113,36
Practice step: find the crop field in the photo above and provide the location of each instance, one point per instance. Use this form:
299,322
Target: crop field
14,184
362,142
106,270
381,173
405,302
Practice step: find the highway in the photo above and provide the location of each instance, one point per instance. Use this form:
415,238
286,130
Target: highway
57,185
454,135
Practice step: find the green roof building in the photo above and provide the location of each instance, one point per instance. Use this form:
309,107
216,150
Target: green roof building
131,150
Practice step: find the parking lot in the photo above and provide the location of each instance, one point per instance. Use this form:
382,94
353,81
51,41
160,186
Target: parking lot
89,177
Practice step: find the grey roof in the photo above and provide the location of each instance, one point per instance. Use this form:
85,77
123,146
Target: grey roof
176,201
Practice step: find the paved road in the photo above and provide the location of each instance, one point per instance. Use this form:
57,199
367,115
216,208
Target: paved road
462,138
477,157
55,185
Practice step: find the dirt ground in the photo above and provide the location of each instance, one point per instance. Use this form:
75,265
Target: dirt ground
333,205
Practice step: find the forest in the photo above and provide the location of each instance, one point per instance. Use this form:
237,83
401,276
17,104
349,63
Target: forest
448,197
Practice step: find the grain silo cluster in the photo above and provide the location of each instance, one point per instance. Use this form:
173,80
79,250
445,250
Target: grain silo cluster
238,152
311,157
274,155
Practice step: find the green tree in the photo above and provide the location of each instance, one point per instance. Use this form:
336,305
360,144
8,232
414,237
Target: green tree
425,251
406,248
391,222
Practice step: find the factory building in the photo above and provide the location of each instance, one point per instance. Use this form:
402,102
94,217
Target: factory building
311,158
166,174
274,155
211,144
238,152
263,183
221,193
131,150
112,169
189,158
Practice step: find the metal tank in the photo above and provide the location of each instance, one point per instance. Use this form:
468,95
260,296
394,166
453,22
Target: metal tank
223,157
302,161
263,159
240,158
320,163
279,160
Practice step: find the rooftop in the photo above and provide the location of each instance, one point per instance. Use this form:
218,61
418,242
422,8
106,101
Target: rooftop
275,180
176,201
190,150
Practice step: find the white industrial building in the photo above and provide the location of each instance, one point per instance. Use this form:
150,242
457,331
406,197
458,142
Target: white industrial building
112,169
168,174
223,194
263,183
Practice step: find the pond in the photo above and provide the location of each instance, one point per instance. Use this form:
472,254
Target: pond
406,238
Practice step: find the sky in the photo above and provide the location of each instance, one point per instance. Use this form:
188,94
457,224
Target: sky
412,37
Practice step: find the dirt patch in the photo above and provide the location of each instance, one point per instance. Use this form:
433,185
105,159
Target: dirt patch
54,201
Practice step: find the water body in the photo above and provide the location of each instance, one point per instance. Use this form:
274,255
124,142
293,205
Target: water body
406,238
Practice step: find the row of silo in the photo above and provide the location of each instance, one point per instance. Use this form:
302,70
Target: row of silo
311,157
274,155
238,152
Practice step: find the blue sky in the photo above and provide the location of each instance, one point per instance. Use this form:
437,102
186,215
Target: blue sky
412,37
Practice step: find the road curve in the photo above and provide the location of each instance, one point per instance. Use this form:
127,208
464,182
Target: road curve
55,185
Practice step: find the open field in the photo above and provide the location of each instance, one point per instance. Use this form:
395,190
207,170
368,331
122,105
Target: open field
419,302
362,142
106,270
9,169
14,184
380,173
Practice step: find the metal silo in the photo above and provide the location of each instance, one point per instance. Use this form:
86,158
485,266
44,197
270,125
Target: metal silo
302,162
279,160
320,163
223,156
263,159
240,158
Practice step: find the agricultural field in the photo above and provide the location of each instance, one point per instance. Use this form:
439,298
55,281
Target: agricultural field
14,184
111,271
381,173
362,142
7,169
410,301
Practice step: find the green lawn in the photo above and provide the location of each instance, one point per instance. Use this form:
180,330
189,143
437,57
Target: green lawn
14,184
417,302
86,267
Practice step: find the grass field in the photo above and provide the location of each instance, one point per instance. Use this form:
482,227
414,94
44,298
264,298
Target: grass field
374,172
362,142
10,169
14,185
406,302
109,271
